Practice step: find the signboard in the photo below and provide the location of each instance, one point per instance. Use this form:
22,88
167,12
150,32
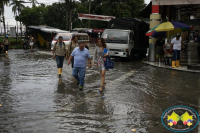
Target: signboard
97,30
95,17
175,2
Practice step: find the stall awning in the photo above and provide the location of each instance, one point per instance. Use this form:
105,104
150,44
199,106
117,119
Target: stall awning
48,29
53,30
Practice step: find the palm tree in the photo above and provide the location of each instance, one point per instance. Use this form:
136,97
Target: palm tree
17,8
2,10
34,2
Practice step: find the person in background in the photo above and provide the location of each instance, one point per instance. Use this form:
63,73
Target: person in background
31,42
72,45
159,48
100,53
80,55
176,45
60,52
86,46
198,39
6,43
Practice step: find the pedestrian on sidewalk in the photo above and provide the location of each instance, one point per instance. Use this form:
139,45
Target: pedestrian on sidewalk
80,55
6,43
176,45
100,55
31,42
60,52
72,45
159,48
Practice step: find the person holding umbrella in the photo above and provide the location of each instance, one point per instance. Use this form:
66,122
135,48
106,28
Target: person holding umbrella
176,45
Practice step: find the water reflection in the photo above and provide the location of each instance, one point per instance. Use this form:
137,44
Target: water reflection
6,98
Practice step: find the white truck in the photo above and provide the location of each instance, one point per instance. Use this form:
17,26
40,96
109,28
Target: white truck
119,42
125,37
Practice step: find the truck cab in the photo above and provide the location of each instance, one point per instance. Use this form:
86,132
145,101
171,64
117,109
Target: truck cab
120,42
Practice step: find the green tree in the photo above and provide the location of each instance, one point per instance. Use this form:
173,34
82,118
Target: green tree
17,8
3,3
118,8
55,15
33,16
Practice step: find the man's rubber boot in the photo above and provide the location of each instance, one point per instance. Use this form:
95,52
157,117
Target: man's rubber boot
6,52
177,63
61,71
173,64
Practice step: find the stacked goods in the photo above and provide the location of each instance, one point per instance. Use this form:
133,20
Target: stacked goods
193,53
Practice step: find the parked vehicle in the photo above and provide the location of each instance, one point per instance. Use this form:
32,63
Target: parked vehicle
125,37
25,44
2,47
67,37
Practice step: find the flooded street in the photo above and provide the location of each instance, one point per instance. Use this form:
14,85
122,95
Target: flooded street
34,99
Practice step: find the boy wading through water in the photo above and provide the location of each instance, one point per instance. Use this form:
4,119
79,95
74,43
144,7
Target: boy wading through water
6,43
60,52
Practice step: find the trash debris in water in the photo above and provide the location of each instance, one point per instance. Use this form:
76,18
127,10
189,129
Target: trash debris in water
103,96
133,130
0,105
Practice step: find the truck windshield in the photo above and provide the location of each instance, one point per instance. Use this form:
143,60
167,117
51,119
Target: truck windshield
115,36
65,37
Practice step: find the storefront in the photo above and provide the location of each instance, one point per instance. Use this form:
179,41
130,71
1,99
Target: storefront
185,11
43,34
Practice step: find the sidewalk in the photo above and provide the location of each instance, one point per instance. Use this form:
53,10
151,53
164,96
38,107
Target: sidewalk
162,65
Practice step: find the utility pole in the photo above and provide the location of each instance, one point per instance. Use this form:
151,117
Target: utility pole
0,26
70,20
7,26
89,12
67,20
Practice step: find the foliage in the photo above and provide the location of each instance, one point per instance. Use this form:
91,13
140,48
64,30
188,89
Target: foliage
32,16
57,15
2,4
12,39
34,2
17,6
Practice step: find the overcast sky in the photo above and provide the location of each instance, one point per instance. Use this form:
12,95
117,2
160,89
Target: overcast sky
9,16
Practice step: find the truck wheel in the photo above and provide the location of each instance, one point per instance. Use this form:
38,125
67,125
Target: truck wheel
130,57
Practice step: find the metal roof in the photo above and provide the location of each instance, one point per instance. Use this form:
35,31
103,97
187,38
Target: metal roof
48,29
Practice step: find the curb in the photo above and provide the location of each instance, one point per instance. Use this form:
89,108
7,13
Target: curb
183,69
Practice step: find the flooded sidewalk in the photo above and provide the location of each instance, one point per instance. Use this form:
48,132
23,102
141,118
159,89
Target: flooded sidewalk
162,65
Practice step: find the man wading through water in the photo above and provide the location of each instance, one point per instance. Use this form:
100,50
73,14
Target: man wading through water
60,52
72,45
80,55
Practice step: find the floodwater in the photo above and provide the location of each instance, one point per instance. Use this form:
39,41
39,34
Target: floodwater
34,99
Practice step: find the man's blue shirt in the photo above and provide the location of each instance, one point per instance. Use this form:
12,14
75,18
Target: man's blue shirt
80,57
